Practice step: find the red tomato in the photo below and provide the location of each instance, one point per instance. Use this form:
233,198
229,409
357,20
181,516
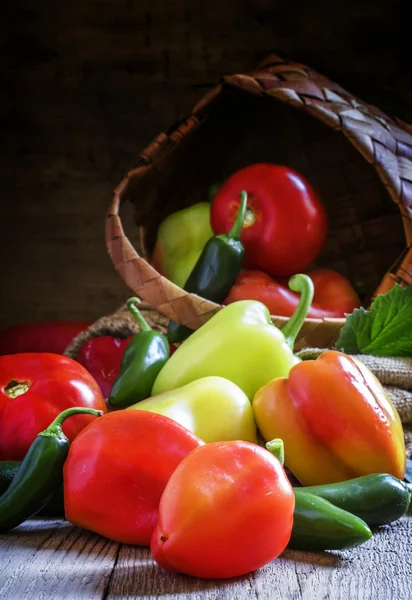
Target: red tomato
34,389
286,225
334,295
226,511
333,291
117,469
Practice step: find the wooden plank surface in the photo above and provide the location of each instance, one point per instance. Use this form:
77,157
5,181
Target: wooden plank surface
50,559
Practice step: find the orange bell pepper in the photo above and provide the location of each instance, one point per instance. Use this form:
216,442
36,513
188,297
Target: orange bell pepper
335,419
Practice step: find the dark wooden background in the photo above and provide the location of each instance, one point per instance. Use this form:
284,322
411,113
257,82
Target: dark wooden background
86,84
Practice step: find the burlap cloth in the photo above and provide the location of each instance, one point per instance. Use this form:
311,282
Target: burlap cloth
395,374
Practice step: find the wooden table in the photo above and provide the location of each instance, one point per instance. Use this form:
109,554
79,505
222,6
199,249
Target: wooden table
51,559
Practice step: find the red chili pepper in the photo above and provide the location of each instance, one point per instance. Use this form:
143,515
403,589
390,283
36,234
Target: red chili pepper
334,295
116,472
50,336
226,511
285,226
34,389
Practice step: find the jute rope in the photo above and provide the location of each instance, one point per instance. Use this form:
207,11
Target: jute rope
119,324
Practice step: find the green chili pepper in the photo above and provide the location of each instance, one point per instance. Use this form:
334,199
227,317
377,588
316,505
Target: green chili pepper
320,525
40,473
8,471
142,360
216,270
377,499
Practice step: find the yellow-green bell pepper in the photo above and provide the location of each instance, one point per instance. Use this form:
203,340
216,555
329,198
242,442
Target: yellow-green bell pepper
239,343
213,408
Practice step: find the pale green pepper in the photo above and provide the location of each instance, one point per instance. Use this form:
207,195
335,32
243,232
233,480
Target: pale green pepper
180,240
239,343
213,408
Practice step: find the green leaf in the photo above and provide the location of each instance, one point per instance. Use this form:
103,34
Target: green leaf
384,330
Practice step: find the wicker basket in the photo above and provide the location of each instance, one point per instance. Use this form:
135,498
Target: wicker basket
358,159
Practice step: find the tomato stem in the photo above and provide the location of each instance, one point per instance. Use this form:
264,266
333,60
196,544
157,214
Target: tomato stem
16,388
304,285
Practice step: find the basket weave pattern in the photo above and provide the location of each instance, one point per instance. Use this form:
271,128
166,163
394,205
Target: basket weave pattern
383,142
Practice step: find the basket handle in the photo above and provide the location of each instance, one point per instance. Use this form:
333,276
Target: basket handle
384,141
277,73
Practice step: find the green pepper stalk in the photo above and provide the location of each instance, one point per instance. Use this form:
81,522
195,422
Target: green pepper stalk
139,318
144,357
304,286
216,269
277,448
40,473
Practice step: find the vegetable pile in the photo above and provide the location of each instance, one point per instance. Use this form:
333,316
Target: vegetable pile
222,452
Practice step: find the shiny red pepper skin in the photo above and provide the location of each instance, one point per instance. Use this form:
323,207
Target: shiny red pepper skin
102,356
34,389
286,224
115,473
50,336
335,418
334,295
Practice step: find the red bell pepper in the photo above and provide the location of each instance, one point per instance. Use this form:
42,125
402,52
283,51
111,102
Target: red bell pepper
50,336
334,295
102,356
285,226
34,389
117,469
226,511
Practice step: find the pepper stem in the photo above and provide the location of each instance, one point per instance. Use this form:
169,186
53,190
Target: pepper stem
55,428
131,305
236,230
304,285
277,448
